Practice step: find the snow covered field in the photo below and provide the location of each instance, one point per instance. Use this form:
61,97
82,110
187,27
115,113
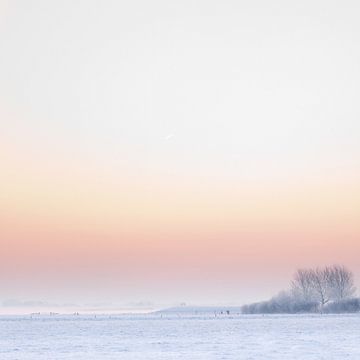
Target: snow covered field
180,336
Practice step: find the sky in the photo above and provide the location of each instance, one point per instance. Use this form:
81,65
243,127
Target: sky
167,151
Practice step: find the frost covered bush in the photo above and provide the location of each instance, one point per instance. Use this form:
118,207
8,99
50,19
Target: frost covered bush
283,303
344,306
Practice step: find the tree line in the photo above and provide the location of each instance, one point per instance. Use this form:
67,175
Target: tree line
329,289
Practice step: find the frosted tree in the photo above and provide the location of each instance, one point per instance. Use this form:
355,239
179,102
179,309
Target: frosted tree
341,282
302,285
321,285
329,289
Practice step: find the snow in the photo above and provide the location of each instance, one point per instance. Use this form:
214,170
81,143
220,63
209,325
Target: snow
174,336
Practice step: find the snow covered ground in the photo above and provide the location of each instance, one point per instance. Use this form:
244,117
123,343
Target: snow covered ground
173,336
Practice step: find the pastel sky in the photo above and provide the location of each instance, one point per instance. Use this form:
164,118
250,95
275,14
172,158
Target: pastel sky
172,151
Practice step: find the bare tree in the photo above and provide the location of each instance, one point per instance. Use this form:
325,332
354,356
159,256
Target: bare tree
326,289
331,283
302,286
320,282
341,282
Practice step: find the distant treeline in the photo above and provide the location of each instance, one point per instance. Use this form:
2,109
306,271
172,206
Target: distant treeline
326,290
